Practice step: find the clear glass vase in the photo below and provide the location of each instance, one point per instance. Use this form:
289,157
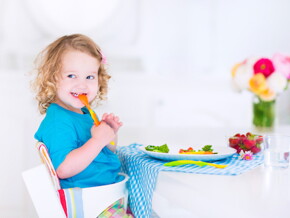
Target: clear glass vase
263,115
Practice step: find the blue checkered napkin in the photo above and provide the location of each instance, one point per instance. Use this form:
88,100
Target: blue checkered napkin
143,171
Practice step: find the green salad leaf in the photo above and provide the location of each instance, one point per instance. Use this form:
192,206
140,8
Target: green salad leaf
162,148
207,148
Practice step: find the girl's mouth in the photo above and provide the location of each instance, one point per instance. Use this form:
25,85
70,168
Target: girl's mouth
77,94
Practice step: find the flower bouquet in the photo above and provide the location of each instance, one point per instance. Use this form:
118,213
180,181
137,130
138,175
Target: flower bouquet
266,79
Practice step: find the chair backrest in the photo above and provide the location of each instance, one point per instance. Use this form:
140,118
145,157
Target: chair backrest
42,192
44,155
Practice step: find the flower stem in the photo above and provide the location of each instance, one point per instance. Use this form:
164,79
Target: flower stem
263,113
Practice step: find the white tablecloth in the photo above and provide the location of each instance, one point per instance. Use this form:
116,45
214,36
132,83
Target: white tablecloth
257,193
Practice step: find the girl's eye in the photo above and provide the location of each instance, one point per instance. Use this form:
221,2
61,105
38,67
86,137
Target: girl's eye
71,76
90,77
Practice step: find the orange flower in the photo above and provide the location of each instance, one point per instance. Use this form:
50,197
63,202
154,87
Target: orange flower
267,95
258,83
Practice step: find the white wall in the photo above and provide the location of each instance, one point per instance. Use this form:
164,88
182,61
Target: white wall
170,62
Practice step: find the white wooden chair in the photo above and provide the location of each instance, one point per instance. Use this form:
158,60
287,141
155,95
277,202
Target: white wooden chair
51,201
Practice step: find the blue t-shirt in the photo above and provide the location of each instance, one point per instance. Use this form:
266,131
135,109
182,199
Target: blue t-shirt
63,131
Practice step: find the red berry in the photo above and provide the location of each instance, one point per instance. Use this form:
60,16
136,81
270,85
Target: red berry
237,135
248,134
259,139
238,150
233,141
255,150
249,143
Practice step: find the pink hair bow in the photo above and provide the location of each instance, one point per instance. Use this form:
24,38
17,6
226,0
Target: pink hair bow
104,59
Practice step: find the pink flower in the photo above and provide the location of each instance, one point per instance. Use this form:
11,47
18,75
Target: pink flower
264,66
282,64
246,155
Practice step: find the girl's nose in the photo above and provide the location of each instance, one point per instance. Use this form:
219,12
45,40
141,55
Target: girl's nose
82,84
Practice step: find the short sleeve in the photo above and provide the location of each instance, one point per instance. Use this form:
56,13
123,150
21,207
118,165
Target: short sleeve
60,141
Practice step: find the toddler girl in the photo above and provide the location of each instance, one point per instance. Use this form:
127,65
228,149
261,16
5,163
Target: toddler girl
79,150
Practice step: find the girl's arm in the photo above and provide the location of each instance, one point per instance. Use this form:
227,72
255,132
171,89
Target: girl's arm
78,159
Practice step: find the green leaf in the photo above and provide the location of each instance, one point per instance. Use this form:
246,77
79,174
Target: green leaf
207,148
162,149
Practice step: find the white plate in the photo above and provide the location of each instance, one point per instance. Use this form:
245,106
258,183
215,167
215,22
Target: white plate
223,152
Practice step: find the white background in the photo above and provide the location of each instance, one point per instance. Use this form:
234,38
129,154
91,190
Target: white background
170,62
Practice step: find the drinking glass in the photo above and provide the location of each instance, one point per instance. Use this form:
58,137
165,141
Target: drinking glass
277,150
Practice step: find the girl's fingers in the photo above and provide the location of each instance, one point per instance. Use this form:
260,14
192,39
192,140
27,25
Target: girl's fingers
111,116
116,118
104,116
112,120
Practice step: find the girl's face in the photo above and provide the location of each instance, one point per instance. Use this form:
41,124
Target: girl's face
78,75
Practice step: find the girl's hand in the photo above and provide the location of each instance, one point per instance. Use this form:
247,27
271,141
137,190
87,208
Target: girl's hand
103,133
113,121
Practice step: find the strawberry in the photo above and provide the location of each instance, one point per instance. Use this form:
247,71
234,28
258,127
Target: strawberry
255,150
249,143
237,135
238,150
259,140
233,141
242,139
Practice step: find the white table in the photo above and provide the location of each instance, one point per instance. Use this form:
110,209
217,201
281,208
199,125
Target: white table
260,192
257,193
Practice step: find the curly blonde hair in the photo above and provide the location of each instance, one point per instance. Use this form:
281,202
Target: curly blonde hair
48,67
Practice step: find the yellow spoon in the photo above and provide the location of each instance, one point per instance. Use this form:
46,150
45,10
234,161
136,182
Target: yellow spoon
199,163
84,100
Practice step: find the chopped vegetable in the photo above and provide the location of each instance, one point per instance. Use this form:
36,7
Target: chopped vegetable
162,148
207,149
